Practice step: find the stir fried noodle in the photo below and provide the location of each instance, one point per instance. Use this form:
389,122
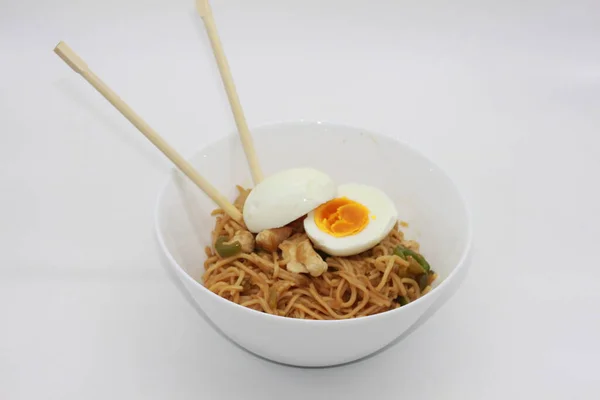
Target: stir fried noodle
372,282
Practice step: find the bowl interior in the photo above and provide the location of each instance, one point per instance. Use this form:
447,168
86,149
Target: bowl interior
425,197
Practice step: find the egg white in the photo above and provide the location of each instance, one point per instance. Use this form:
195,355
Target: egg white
286,196
380,207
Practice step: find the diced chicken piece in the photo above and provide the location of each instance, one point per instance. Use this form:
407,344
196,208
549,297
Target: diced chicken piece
307,255
270,239
246,240
289,249
301,256
296,267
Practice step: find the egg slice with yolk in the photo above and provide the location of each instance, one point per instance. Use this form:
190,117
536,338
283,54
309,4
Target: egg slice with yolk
356,220
341,217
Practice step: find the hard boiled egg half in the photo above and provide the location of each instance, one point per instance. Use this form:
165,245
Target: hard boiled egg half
286,196
357,219
341,221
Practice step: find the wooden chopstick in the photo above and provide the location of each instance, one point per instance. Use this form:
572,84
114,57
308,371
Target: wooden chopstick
205,12
79,66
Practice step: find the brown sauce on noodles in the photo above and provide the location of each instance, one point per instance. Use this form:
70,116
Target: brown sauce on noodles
369,283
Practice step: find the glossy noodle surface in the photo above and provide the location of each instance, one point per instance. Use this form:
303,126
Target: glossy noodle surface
390,275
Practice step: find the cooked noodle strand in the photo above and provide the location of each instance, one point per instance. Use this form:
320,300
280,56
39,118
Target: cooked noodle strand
372,282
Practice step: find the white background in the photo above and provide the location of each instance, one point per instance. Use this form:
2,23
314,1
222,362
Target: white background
505,95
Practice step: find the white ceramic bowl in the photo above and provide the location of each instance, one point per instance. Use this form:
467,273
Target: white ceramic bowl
426,198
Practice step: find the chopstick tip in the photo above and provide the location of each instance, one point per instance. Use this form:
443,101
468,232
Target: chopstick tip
59,46
70,57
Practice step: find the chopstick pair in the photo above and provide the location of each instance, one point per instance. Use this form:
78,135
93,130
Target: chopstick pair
79,66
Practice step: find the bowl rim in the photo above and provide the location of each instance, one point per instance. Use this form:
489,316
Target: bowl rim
259,314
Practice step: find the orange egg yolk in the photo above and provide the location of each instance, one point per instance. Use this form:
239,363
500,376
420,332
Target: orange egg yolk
341,217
